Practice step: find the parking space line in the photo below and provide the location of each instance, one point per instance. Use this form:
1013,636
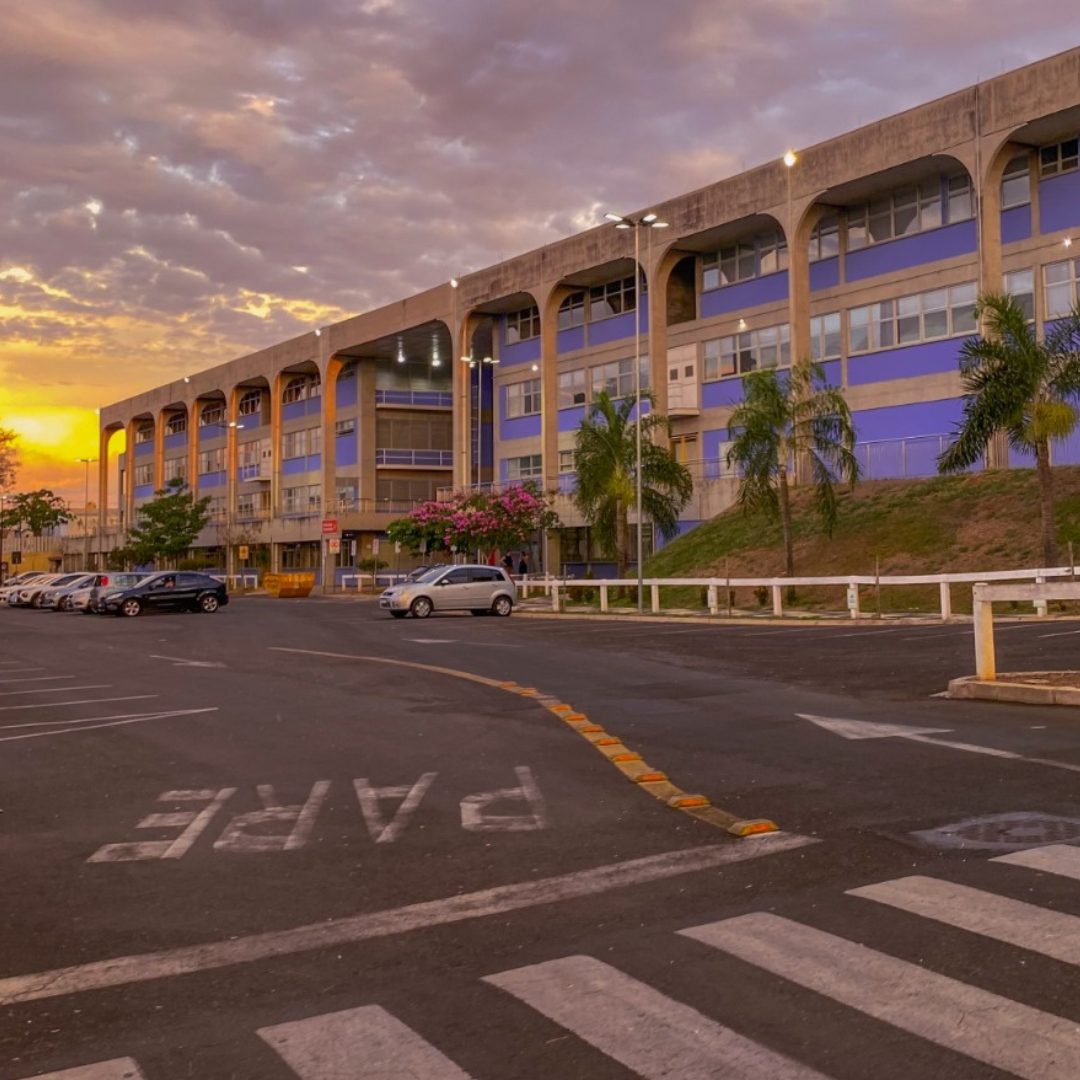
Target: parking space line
83,701
1063,633
39,678
56,689
88,725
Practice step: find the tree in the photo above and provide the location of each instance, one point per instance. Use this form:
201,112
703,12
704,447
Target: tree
167,525
783,419
9,458
606,460
37,511
1016,384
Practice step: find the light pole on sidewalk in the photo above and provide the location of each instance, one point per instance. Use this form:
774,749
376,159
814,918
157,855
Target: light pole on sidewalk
87,461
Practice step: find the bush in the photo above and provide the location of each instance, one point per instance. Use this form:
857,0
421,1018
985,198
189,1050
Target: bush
761,595
371,566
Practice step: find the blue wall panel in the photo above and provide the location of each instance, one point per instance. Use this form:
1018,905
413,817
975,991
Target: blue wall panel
314,462
570,419
616,328
1015,224
825,273
144,448
717,394
928,358
521,427
211,480
524,352
570,340
1059,202
746,294
144,491
907,421
177,441
1066,451
347,392
345,449
909,251
294,410
296,466
313,406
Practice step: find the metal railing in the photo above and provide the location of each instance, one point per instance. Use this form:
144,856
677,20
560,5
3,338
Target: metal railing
419,459
428,399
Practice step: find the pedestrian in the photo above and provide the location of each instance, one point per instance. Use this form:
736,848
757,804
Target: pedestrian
523,565
508,563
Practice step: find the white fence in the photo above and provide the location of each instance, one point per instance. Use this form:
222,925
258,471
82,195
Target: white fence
560,588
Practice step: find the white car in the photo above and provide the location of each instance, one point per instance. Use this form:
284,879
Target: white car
12,584
27,595
54,596
84,598
483,590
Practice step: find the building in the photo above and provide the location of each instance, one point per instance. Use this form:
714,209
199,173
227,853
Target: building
865,252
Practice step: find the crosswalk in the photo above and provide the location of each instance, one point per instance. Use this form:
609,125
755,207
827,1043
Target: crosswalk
653,1035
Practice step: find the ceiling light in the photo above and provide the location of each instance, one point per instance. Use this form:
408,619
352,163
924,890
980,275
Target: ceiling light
536,367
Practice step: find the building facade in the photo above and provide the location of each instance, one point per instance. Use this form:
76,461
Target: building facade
865,252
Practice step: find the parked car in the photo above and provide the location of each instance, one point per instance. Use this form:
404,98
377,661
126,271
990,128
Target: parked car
27,595
169,590
86,598
52,595
483,590
16,581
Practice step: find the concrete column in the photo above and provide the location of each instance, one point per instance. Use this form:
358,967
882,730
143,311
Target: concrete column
802,217
231,457
548,300
193,447
461,330
277,385
366,420
159,450
329,375
654,591
129,463
103,484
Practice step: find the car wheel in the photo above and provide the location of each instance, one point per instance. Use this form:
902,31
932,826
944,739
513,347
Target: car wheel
87,610
35,601
208,603
503,605
421,607
399,614
130,608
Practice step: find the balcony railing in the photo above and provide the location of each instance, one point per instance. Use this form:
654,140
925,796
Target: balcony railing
258,470
424,399
416,459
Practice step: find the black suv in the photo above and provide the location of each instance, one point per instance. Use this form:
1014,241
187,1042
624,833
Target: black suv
170,590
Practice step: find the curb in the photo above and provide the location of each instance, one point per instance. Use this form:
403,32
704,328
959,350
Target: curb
972,688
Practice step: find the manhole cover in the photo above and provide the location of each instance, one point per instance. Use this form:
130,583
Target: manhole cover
1003,832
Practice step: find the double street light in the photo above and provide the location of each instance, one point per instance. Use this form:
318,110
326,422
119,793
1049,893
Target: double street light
472,362
648,222
87,461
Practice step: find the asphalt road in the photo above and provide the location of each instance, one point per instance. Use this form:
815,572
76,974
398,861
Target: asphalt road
303,839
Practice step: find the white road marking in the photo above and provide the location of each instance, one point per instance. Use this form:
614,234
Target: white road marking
432,640
358,1044
117,1069
91,724
1040,930
651,1034
1063,633
180,661
475,818
369,798
81,701
193,822
124,970
237,837
39,678
1001,1033
1057,859
56,689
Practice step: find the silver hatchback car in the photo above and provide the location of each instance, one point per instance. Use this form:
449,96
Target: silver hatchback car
483,590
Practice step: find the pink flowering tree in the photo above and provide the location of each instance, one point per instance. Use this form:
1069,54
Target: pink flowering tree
476,521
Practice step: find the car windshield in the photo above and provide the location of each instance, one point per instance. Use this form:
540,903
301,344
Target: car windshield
432,574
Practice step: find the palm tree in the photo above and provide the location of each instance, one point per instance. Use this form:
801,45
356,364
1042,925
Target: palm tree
606,459
1016,384
784,419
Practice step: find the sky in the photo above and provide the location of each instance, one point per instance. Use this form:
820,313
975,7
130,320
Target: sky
186,181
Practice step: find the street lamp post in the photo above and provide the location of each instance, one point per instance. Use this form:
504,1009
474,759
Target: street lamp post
491,362
230,495
87,461
649,221
3,512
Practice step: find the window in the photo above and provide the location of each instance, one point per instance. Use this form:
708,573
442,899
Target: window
939,313
825,239
1016,183
212,414
300,387
745,259
211,461
684,447
175,469
772,253
1020,285
144,474
571,388
305,499
617,378
253,504
405,490
612,299
250,455
825,336
522,325
250,402
524,468
523,398
414,432
961,199
1059,158
296,444
144,434
738,354
1060,282
567,461
899,213
344,427
216,508
572,311
176,424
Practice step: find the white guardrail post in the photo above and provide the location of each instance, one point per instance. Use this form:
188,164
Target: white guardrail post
713,603
946,601
1041,607
778,601
655,596
983,612
853,600
603,598
554,597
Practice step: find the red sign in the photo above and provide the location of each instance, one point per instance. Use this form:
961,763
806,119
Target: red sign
329,526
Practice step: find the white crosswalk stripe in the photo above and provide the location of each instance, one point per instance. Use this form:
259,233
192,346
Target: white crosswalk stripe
358,1044
994,1030
641,1028
118,1069
1037,929
1053,859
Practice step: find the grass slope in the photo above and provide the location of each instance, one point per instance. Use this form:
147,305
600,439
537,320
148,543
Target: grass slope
983,521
